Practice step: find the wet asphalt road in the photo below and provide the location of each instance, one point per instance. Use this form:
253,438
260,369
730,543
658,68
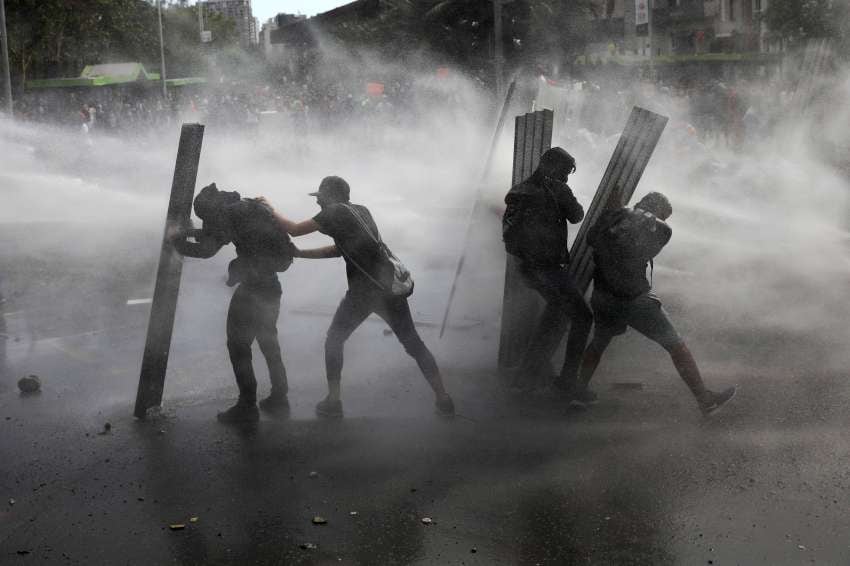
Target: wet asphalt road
517,479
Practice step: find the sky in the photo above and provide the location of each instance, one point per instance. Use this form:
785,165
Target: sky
265,9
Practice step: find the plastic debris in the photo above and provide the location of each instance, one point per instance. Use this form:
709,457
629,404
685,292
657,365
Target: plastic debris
313,475
193,519
317,520
427,521
309,546
177,527
354,513
11,502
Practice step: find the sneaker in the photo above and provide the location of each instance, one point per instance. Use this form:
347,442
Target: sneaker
274,403
240,413
713,402
329,409
445,407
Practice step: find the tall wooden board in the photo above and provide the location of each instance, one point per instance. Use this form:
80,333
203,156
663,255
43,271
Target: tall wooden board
521,306
635,147
161,322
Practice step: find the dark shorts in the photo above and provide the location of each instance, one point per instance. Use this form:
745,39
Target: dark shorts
613,315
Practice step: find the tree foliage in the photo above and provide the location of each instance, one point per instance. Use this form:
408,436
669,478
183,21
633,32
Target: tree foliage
50,38
798,20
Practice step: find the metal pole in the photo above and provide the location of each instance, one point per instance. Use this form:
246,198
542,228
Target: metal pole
161,49
201,20
4,46
649,33
497,44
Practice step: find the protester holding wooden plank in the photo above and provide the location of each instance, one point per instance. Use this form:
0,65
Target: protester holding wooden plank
535,229
624,241
262,250
377,283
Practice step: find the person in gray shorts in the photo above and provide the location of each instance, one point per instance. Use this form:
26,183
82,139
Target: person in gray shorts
624,241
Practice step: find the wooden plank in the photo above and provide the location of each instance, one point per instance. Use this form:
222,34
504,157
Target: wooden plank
521,306
631,156
519,152
167,289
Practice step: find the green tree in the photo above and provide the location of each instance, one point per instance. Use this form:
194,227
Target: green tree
795,21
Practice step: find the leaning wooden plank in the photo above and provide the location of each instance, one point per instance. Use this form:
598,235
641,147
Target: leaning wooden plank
612,172
623,188
630,158
521,306
164,306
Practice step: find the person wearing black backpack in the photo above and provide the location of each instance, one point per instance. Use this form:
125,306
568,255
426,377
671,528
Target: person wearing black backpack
262,251
377,283
624,241
535,230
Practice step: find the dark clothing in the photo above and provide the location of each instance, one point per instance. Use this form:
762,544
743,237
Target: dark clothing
255,306
253,315
262,249
357,246
355,307
612,317
364,296
564,305
624,241
535,224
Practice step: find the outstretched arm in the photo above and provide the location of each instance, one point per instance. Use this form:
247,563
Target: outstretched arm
318,253
289,226
206,245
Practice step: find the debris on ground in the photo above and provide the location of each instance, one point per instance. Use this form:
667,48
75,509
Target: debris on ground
317,520
313,475
11,502
107,428
29,384
177,527
354,513
193,519
309,546
427,521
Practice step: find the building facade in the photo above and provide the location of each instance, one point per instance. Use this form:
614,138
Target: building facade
239,11
682,27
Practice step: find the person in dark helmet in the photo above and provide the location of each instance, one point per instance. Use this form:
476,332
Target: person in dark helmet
535,230
261,252
624,241
370,276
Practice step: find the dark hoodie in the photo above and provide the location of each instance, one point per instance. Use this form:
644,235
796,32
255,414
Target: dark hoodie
535,225
623,242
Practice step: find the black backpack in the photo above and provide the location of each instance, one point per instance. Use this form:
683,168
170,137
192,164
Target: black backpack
533,228
261,244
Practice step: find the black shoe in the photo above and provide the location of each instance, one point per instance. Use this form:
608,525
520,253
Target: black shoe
240,413
329,409
713,402
445,407
274,403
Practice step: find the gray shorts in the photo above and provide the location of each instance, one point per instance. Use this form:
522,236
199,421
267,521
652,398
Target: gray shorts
613,315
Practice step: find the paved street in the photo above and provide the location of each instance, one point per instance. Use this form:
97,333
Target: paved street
516,479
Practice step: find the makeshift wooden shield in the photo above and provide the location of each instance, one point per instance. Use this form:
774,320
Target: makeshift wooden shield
635,147
164,306
521,306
